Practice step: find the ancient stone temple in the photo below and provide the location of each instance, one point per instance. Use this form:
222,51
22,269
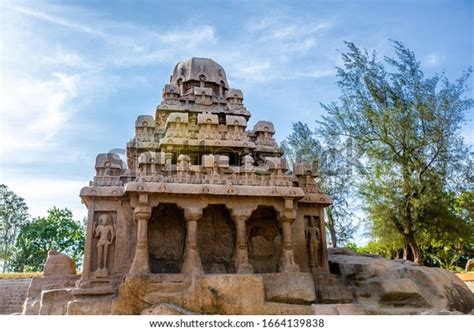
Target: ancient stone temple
205,217
201,194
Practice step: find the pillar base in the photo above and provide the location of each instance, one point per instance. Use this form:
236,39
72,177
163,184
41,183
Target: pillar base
192,263
140,265
244,269
290,268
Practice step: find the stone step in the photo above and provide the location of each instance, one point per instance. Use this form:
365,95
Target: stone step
327,280
335,294
331,289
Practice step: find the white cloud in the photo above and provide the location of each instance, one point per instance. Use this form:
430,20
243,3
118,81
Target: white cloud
34,110
317,73
56,20
250,70
189,38
432,59
67,59
41,194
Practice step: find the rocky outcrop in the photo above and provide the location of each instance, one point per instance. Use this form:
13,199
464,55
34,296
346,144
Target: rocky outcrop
50,294
292,288
59,264
399,287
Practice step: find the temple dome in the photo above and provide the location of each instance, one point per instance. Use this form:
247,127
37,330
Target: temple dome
196,67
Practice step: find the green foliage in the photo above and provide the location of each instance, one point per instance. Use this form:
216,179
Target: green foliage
373,247
13,214
407,127
57,231
334,177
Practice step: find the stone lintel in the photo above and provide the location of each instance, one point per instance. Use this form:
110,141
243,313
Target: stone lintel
214,189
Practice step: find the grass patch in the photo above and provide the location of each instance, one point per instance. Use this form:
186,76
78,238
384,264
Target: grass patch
20,275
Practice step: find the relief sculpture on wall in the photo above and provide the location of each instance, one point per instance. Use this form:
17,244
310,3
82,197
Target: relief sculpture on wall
105,233
313,242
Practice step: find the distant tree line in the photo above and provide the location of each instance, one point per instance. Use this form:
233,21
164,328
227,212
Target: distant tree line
25,242
413,175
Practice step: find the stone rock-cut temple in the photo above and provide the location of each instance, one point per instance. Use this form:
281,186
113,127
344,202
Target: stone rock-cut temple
205,218
201,195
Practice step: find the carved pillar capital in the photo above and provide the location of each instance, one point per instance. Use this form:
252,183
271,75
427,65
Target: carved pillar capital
287,217
240,213
192,214
142,212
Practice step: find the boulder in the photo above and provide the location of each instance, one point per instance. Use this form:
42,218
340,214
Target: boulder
59,264
390,286
293,288
235,294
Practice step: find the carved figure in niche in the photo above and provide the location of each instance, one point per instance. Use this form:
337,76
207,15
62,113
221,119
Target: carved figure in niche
106,233
264,250
313,241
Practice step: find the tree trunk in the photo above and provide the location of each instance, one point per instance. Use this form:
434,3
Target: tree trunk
331,229
417,253
332,233
397,254
405,252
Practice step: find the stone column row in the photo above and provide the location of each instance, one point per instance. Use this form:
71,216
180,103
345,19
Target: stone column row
192,262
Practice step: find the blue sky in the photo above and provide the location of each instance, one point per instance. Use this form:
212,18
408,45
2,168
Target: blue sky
76,74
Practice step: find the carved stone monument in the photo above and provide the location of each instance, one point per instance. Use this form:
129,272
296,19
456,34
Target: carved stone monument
204,216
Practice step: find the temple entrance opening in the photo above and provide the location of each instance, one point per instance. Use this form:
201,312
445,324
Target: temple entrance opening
264,240
166,238
216,240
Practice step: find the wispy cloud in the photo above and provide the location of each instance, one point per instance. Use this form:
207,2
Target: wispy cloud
317,73
34,108
432,59
55,20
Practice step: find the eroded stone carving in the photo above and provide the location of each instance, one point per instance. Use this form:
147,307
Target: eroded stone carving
105,232
313,239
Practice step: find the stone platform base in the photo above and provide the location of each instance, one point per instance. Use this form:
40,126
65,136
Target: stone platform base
235,294
360,284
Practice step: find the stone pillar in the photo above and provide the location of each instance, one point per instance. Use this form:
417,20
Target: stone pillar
287,261
242,265
192,261
140,264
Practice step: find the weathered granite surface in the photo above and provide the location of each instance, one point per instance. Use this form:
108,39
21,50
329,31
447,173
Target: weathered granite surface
399,287
12,295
